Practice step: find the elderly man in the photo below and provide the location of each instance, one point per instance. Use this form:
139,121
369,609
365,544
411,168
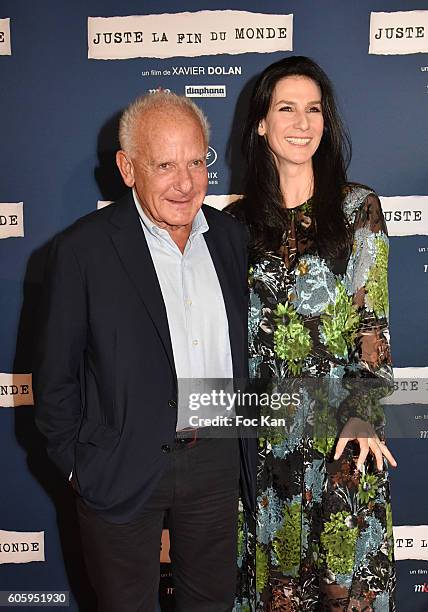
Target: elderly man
141,294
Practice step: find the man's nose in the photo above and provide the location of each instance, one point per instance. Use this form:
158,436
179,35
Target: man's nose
183,180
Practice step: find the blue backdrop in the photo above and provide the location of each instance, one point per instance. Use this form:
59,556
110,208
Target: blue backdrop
58,114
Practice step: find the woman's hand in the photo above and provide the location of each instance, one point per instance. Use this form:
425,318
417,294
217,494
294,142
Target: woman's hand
363,432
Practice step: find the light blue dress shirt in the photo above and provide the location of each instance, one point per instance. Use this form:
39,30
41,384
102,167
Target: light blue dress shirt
194,305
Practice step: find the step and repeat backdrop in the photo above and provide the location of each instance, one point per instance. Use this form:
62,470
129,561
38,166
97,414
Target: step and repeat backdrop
67,69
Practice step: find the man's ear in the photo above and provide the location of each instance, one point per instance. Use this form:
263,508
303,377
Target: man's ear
126,168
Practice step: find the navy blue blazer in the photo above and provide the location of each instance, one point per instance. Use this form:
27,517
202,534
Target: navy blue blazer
104,377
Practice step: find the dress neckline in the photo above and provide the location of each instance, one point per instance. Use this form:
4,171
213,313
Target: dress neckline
306,205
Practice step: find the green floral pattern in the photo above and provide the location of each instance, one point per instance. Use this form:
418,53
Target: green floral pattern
261,568
292,340
340,323
377,282
287,541
368,488
338,541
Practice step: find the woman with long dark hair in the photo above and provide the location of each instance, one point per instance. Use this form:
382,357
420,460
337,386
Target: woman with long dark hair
318,314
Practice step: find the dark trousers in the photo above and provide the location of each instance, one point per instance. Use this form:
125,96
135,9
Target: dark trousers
199,493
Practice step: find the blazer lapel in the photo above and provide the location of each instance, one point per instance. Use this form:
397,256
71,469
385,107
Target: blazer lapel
129,240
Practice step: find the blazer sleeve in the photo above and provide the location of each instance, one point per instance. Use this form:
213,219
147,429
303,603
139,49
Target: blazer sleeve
59,354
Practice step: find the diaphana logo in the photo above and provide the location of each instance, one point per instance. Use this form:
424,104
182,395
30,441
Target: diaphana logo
11,219
5,46
398,33
211,156
188,34
205,91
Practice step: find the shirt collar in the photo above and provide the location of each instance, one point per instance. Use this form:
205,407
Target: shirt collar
199,225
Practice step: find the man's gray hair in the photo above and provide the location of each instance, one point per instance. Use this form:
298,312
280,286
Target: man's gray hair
161,100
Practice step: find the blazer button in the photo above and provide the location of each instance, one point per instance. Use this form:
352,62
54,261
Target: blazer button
165,448
172,404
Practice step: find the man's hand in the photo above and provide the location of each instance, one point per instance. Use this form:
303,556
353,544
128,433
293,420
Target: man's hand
363,432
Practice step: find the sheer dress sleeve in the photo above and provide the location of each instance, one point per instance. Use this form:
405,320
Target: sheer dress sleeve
366,281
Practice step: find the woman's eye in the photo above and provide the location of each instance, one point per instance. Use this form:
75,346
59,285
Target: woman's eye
315,109
164,166
286,108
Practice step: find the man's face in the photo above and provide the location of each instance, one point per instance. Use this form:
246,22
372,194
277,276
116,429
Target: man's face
168,169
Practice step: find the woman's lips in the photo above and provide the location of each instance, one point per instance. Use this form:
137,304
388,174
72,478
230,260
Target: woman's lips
299,142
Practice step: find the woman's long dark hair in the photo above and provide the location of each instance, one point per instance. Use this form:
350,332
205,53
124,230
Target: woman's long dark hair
264,204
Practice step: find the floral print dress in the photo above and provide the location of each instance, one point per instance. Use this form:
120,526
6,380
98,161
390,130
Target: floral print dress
322,537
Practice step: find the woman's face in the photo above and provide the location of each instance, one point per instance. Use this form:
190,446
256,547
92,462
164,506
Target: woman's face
294,124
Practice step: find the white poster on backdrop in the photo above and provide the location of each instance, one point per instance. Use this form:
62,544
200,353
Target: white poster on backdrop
22,546
15,390
411,542
5,46
188,34
398,33
406,215
11,219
